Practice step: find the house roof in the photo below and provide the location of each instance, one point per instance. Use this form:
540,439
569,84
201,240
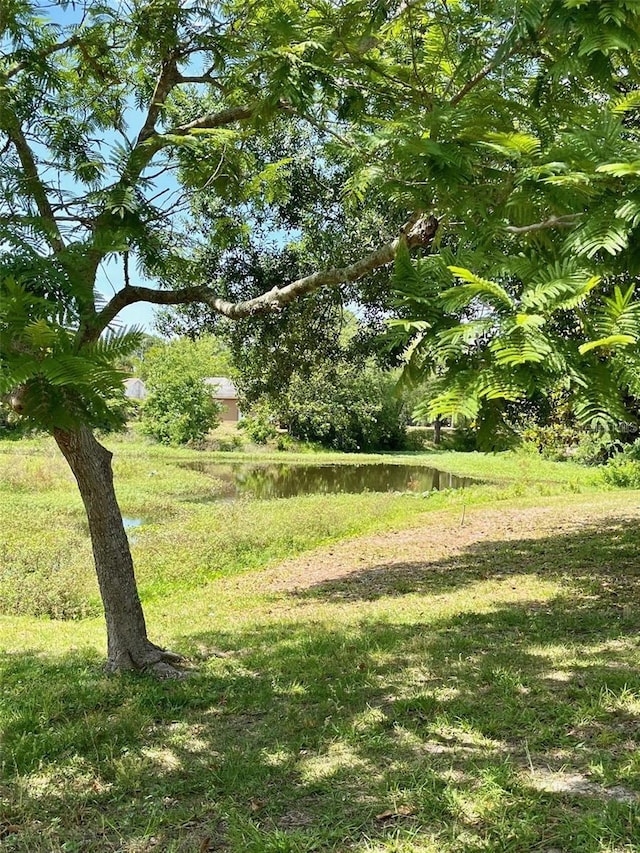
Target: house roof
225,389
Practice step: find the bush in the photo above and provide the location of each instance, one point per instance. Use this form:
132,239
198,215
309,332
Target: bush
553,441
339,407
595,448
179,411
419,438
180,407
622,472
261,425
632,451
343,408
226,444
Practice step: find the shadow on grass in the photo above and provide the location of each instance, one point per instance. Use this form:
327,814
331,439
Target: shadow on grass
599,560
368,736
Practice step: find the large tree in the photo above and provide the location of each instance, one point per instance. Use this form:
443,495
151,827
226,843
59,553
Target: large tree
114,121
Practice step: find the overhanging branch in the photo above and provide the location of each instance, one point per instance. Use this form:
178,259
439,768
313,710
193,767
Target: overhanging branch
167,79
565,221
147,146
419,231
484,72
213,120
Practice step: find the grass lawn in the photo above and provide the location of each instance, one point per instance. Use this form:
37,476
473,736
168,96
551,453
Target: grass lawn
462,676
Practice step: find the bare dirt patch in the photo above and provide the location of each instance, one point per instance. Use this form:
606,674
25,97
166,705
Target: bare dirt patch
441,538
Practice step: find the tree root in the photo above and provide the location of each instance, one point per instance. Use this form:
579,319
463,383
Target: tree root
155,661
165,671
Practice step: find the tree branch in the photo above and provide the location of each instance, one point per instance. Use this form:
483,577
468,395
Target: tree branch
34,185
17,67
21,219
205,78
291,110
145,148
419,231
167,79
213,120
565,221
484,72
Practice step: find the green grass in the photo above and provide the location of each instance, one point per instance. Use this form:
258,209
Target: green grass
482,695
185,540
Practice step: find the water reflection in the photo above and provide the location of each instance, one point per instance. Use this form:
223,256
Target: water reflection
129,525
286,480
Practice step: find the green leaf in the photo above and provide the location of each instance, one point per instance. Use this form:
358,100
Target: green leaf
621,170
461,296
609,342
512,144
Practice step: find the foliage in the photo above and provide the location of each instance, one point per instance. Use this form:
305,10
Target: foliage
179,410
180,407
481,344
596,448
261,424
206,356
623,473
553,440
45,377
632,451
345,408
623,470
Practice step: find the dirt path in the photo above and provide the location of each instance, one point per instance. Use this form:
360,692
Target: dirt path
445,535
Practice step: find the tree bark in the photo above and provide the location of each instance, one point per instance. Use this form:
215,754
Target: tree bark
128,645
437,431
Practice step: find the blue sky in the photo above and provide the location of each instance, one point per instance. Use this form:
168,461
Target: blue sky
110,279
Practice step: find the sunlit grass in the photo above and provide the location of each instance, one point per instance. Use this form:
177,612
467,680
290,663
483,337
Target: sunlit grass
187,540
472,685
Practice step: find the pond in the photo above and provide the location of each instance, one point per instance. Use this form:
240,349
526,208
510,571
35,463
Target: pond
287,480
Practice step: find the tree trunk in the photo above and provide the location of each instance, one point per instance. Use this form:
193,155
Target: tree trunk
128,645
437,431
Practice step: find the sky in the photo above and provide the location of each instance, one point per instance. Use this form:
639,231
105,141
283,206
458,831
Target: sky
110,279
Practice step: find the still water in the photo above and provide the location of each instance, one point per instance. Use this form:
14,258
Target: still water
286,480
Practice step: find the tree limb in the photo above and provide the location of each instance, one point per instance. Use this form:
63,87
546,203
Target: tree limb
213,120
419,231
291,110
484,72
205,78
145,148
33,183
17,67
167,79
565,221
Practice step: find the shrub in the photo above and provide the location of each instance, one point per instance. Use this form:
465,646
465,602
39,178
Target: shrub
622,472
261,425
632,451
595,448
340,407
419,438
343,408
179,410
553,441
180,407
